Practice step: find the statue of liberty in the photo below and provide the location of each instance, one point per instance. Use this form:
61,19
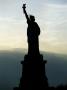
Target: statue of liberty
33,66
33,32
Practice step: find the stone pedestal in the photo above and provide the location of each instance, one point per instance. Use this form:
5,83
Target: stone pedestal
33,73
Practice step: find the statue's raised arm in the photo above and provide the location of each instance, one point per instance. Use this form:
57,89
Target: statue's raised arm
24,10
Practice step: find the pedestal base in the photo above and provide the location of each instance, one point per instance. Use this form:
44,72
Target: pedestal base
33,73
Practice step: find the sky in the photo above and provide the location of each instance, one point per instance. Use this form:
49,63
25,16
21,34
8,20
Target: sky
51,16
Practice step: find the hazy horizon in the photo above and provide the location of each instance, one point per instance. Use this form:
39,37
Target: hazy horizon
10,68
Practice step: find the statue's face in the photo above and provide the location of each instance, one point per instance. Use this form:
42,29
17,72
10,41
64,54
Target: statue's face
32,18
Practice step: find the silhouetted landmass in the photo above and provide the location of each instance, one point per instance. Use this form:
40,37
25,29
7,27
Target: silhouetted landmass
10,68
60,87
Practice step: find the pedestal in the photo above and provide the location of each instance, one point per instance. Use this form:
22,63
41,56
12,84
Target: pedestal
33,73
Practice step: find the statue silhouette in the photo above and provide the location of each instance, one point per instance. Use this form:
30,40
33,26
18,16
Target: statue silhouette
33,67
33,31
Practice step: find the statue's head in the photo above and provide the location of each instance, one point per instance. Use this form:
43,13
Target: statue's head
32,18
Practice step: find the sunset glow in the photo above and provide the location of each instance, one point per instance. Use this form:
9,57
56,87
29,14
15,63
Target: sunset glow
50,15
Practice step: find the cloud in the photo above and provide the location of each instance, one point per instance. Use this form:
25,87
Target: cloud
12,33
10,8
57,1
51,17
54,31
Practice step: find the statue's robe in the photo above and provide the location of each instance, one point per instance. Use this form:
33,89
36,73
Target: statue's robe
33,32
